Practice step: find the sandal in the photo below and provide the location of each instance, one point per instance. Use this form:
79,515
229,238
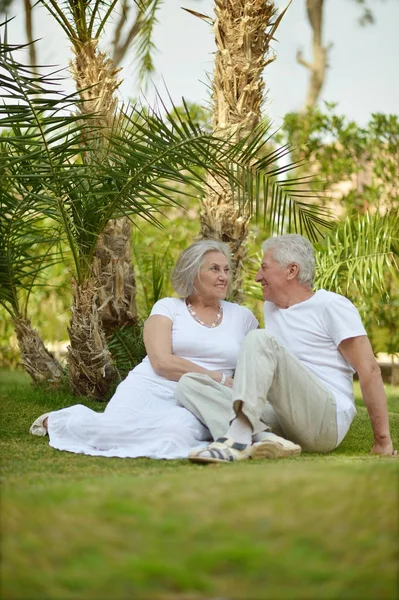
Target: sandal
220,451
37,427
274,446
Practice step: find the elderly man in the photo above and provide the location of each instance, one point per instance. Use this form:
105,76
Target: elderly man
293,385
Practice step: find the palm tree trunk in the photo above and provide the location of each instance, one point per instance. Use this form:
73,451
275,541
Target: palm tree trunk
242,40
40,364
91,371
96,80
114,270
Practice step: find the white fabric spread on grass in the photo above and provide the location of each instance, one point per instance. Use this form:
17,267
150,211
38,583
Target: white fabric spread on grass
143,418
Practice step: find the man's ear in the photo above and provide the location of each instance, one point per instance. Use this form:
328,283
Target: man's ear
293,270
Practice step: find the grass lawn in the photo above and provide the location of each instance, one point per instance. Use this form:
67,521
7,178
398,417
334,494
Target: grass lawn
79,527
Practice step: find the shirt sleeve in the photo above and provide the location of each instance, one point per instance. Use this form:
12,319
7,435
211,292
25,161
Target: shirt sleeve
343,320
249,319
164,307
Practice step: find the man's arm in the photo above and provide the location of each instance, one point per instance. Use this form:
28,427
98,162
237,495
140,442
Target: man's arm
359,354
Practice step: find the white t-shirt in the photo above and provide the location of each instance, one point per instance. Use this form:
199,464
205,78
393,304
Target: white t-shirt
312,331
216,348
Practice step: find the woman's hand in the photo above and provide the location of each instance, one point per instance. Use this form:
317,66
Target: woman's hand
229,382
221,378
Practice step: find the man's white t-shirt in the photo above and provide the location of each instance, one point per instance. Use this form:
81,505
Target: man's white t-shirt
312,331
215,349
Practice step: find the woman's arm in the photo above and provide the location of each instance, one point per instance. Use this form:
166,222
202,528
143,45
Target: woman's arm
158,343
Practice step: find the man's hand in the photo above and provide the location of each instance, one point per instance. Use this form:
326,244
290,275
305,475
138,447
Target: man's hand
384,448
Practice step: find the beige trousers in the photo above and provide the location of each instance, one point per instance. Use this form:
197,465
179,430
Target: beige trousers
273,389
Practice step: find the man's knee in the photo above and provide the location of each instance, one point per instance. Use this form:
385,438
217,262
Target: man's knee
184,386
188,385
258,338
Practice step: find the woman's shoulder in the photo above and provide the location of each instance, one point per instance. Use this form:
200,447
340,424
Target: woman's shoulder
171,301
235,308
168,306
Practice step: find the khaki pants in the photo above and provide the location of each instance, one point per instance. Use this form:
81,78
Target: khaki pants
274,391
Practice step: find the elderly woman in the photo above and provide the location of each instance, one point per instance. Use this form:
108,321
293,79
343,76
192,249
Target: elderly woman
199,332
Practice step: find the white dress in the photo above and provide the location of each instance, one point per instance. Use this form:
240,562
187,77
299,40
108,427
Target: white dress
143,417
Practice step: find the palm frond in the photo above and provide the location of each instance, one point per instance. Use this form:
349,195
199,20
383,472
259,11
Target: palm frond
27,248
79,18
359,253
54,161
142,42
127,348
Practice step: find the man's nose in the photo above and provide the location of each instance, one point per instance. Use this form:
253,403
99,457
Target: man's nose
258,276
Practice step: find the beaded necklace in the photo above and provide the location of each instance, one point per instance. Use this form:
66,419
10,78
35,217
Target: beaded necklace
196,317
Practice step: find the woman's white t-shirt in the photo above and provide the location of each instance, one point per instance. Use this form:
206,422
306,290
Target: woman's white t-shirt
216,348
312,331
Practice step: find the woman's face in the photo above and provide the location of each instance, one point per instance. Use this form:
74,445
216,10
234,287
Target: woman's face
214,276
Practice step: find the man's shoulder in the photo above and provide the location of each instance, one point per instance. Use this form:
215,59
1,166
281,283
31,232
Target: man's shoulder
326,298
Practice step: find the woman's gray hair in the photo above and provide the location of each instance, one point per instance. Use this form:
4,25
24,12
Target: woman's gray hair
293,248
189,263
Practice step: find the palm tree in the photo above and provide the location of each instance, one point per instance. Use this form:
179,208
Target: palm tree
96,78
243,32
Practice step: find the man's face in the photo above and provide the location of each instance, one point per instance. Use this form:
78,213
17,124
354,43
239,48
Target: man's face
272,278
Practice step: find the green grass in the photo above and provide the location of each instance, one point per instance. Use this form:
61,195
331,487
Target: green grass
78,527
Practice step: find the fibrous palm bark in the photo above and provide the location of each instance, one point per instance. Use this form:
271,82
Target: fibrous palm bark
106,300
96,80
90,366
242,33
38,362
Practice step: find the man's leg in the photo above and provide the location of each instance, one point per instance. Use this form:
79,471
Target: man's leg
210,402
305,410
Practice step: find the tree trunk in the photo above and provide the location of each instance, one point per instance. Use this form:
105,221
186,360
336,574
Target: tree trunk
395,371
91,371
96,80
113,268
29,34
242,40
40,364
318,67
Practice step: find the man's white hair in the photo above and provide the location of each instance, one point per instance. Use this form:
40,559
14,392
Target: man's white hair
293,248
